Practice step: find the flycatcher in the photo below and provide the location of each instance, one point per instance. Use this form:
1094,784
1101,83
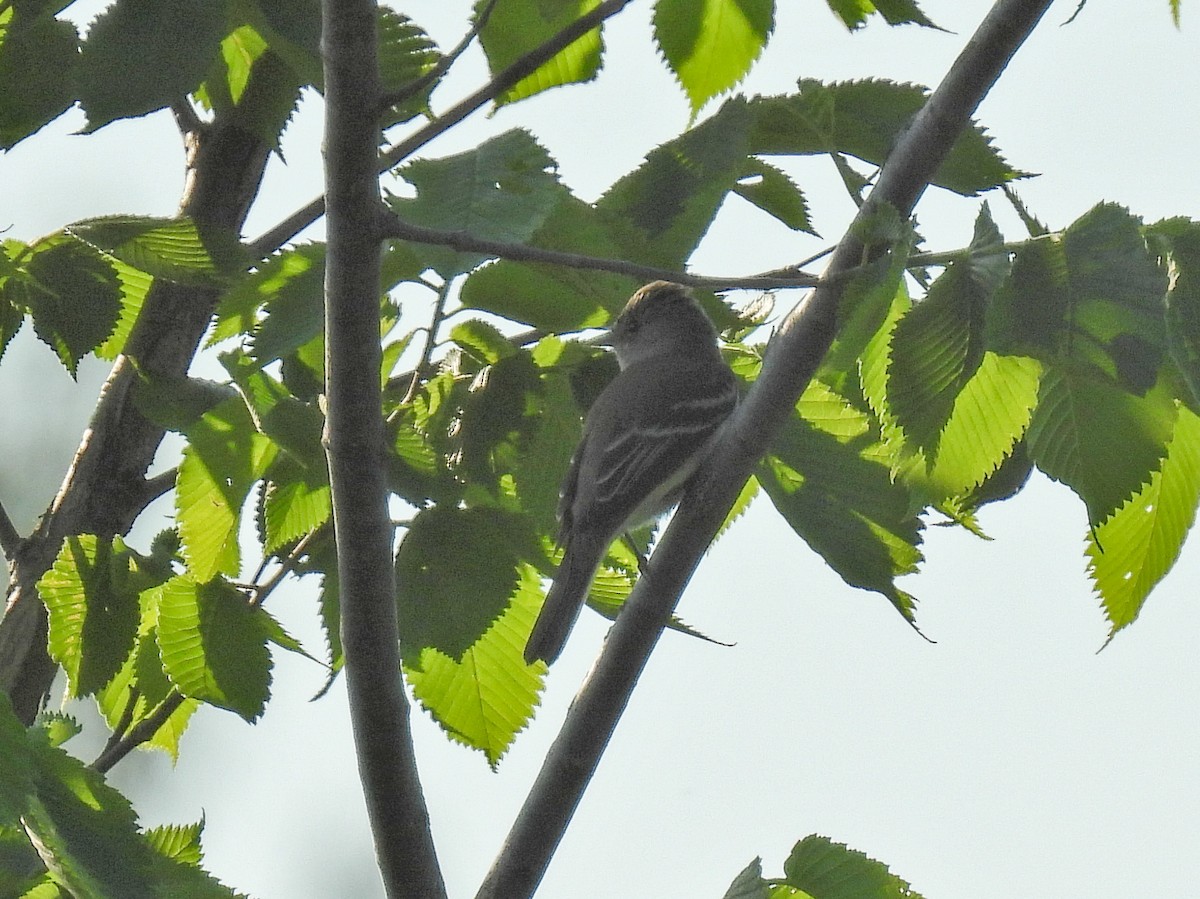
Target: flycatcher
642,440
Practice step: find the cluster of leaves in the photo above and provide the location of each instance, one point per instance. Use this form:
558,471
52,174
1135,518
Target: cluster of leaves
820,868
1076,352
76,835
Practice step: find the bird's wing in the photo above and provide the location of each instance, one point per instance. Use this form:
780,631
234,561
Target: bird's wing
638,463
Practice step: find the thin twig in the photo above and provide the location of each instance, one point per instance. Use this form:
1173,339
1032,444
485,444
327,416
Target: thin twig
140,733
286,567
10,537
272,240
394,227
792,359
417,85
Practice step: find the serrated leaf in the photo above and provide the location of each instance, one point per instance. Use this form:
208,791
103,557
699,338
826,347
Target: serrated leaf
668,203
293,509
38,57
143,682
482,340
17,772
180,842
72,294
854,13
296,275
1135,547
938,346
774,192
516,27
485,698
141,55
1097,439
57,727
846,507
1093,297
1179,242
456,571
214,645
502,190
92,602
86,832
749,884
405,54
991,413
831,870
864,119
225,455
555,298
710,45
171,249
134,286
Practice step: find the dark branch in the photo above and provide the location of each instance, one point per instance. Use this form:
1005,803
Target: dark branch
459,240
792,359
10,537
354,441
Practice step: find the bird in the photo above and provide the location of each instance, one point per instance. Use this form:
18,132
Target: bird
643,438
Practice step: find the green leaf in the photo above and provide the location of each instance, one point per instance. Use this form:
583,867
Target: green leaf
72,294
1135,547
1178,241
555,298
846,507
93,610
829,870
865,119
991,413
86,832
178,841
482,340
18,771
456,571
142,55
292,506
516,27
1097,439
854,13
1093,297
143,682
502,190
134,285
171,249
749,884
38,58
224,457
772,191
668,203
939,344
710,45
294,278
214,645
405,54
485,698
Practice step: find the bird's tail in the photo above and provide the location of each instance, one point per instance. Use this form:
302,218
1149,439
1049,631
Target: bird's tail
566,597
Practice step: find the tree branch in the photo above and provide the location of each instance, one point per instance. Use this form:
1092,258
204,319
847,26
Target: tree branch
791,361
395,227
10,537
354,442
272,240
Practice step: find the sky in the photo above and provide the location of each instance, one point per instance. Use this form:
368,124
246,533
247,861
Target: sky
1009,757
